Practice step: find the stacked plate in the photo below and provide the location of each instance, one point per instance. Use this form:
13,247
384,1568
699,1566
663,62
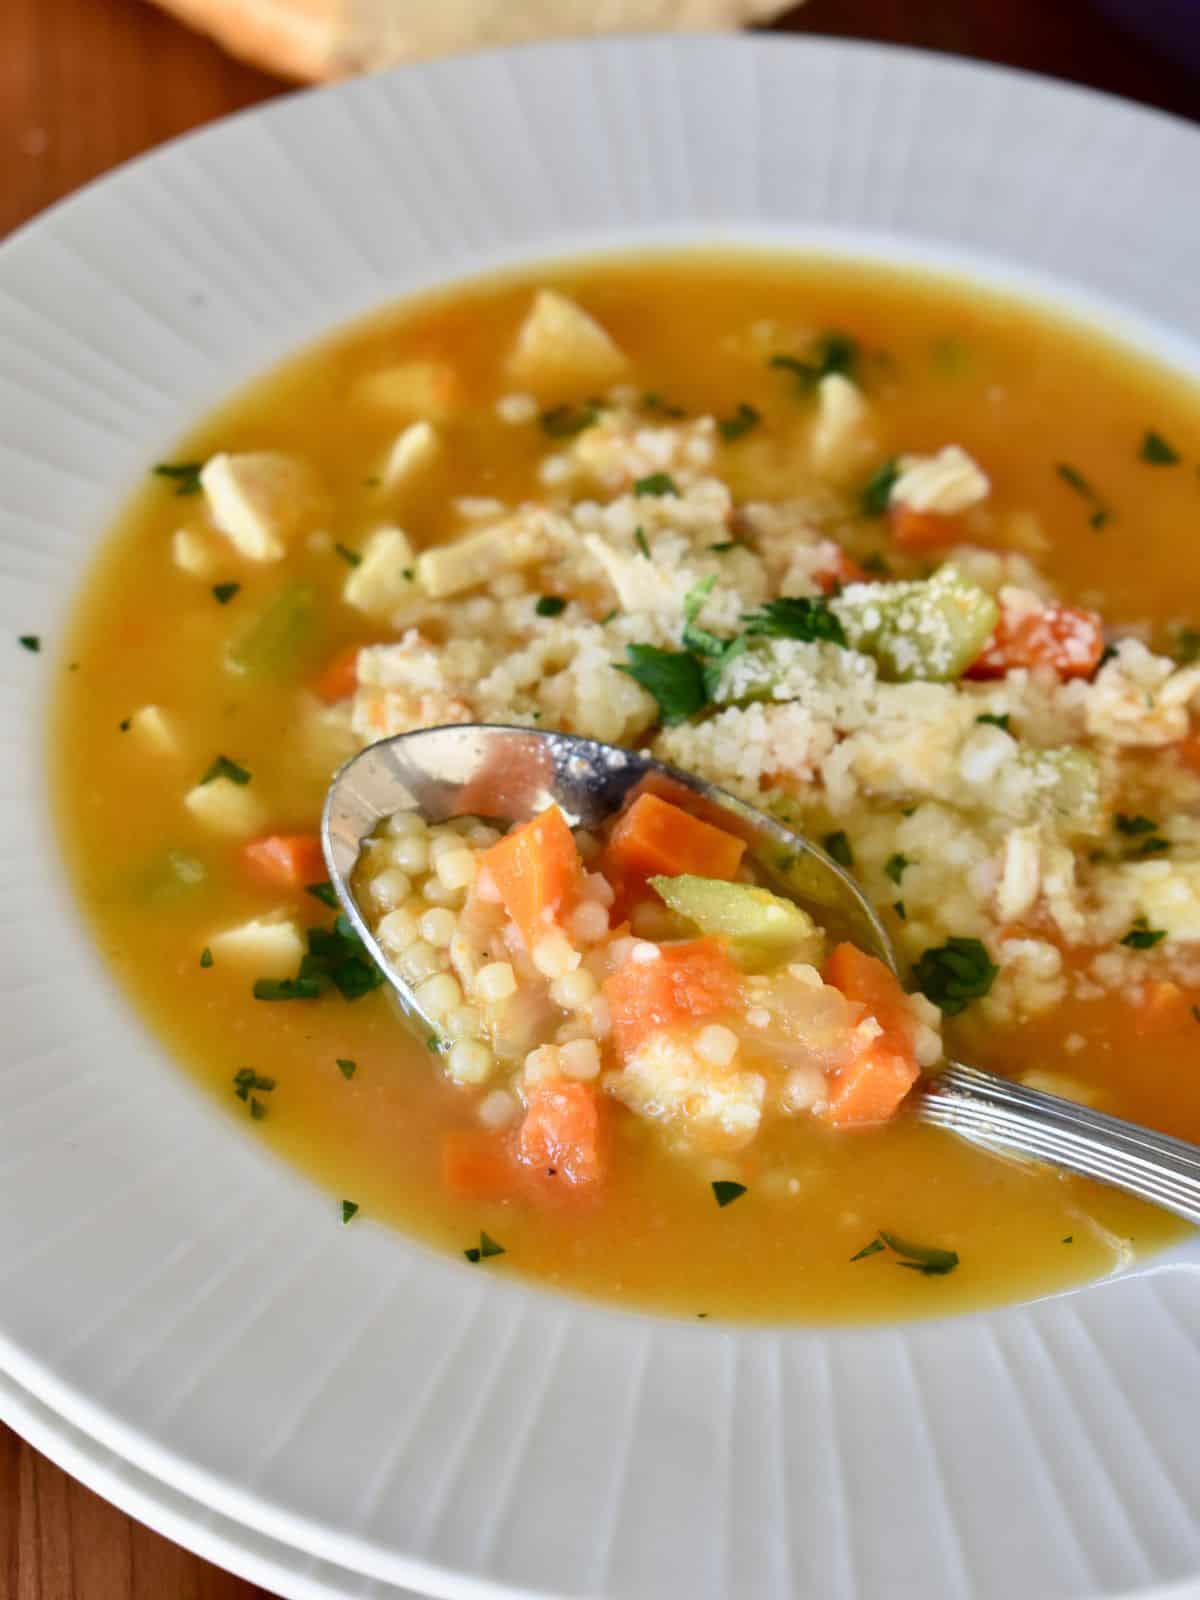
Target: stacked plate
341,1413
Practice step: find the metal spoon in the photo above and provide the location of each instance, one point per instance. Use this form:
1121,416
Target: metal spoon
513,773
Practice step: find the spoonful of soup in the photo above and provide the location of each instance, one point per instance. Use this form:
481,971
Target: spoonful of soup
586,919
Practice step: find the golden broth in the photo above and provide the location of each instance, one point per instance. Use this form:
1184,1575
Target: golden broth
1016,387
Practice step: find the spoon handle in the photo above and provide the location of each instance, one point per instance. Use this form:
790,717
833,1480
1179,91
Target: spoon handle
1009,1116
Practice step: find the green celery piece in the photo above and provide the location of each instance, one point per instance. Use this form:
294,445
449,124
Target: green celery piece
169,877
279,637
1068,788
763,929
929,629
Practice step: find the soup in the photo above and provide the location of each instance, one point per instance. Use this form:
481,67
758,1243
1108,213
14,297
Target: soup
894,559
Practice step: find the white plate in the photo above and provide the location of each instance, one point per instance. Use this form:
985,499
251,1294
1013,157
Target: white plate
189,1302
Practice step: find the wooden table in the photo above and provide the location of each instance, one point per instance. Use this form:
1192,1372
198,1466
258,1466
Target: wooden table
85,84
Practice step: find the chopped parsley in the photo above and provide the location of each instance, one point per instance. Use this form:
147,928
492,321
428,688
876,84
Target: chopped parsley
1133,826
30,642
877,491
872,1249
898,908
796,617
639,539
350,557
1152,847
656,484
674,678
550,605
725,1191
125,724
222,767
184,474
486,1248
895,865
247,1082
286,989
223,593
347,1068
990,719
832,352
337,956
324,892
926,1259
837,845
206,957
723,545
1156,451
876,565
1142,936
740,423
1075,479
1069,1239
565,421
955,973
610,615
1187,645
349,1209
655,402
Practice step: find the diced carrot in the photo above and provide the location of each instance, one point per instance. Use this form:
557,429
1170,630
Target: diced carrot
683,982
286,860
922,530
654,837
1163,1007
339,679
864,978
1065,638
536,870
838,566
477,1165
1187,751
870,1088
562,1133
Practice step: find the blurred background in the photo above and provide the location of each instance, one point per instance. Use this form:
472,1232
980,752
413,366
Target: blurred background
87,84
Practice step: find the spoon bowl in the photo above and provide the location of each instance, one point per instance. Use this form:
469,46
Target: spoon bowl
509,774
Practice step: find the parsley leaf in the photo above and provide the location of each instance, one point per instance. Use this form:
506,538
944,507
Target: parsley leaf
720,549
877,492
222,767
990,719
486,1248
1187,645
876,565
324,892
872,1249
832,352
550,605
223,593
1133,826
30,642
674,678
1156,451
1142,936
740,423
726,1192
565,421
350,557
955,973
1075,479
184,474
246,1079
898,908
895,865
347,1068
795,617
656,484
286,989
926,1259
639,539
349,1209
206,957
837,845
664,408
125,724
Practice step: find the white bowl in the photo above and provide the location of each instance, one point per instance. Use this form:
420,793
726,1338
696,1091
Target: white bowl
178,1295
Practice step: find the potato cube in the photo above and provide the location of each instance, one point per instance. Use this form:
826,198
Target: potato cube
154,730
428,389
413,453
259,500
270,947
560,349
378,584
228,808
